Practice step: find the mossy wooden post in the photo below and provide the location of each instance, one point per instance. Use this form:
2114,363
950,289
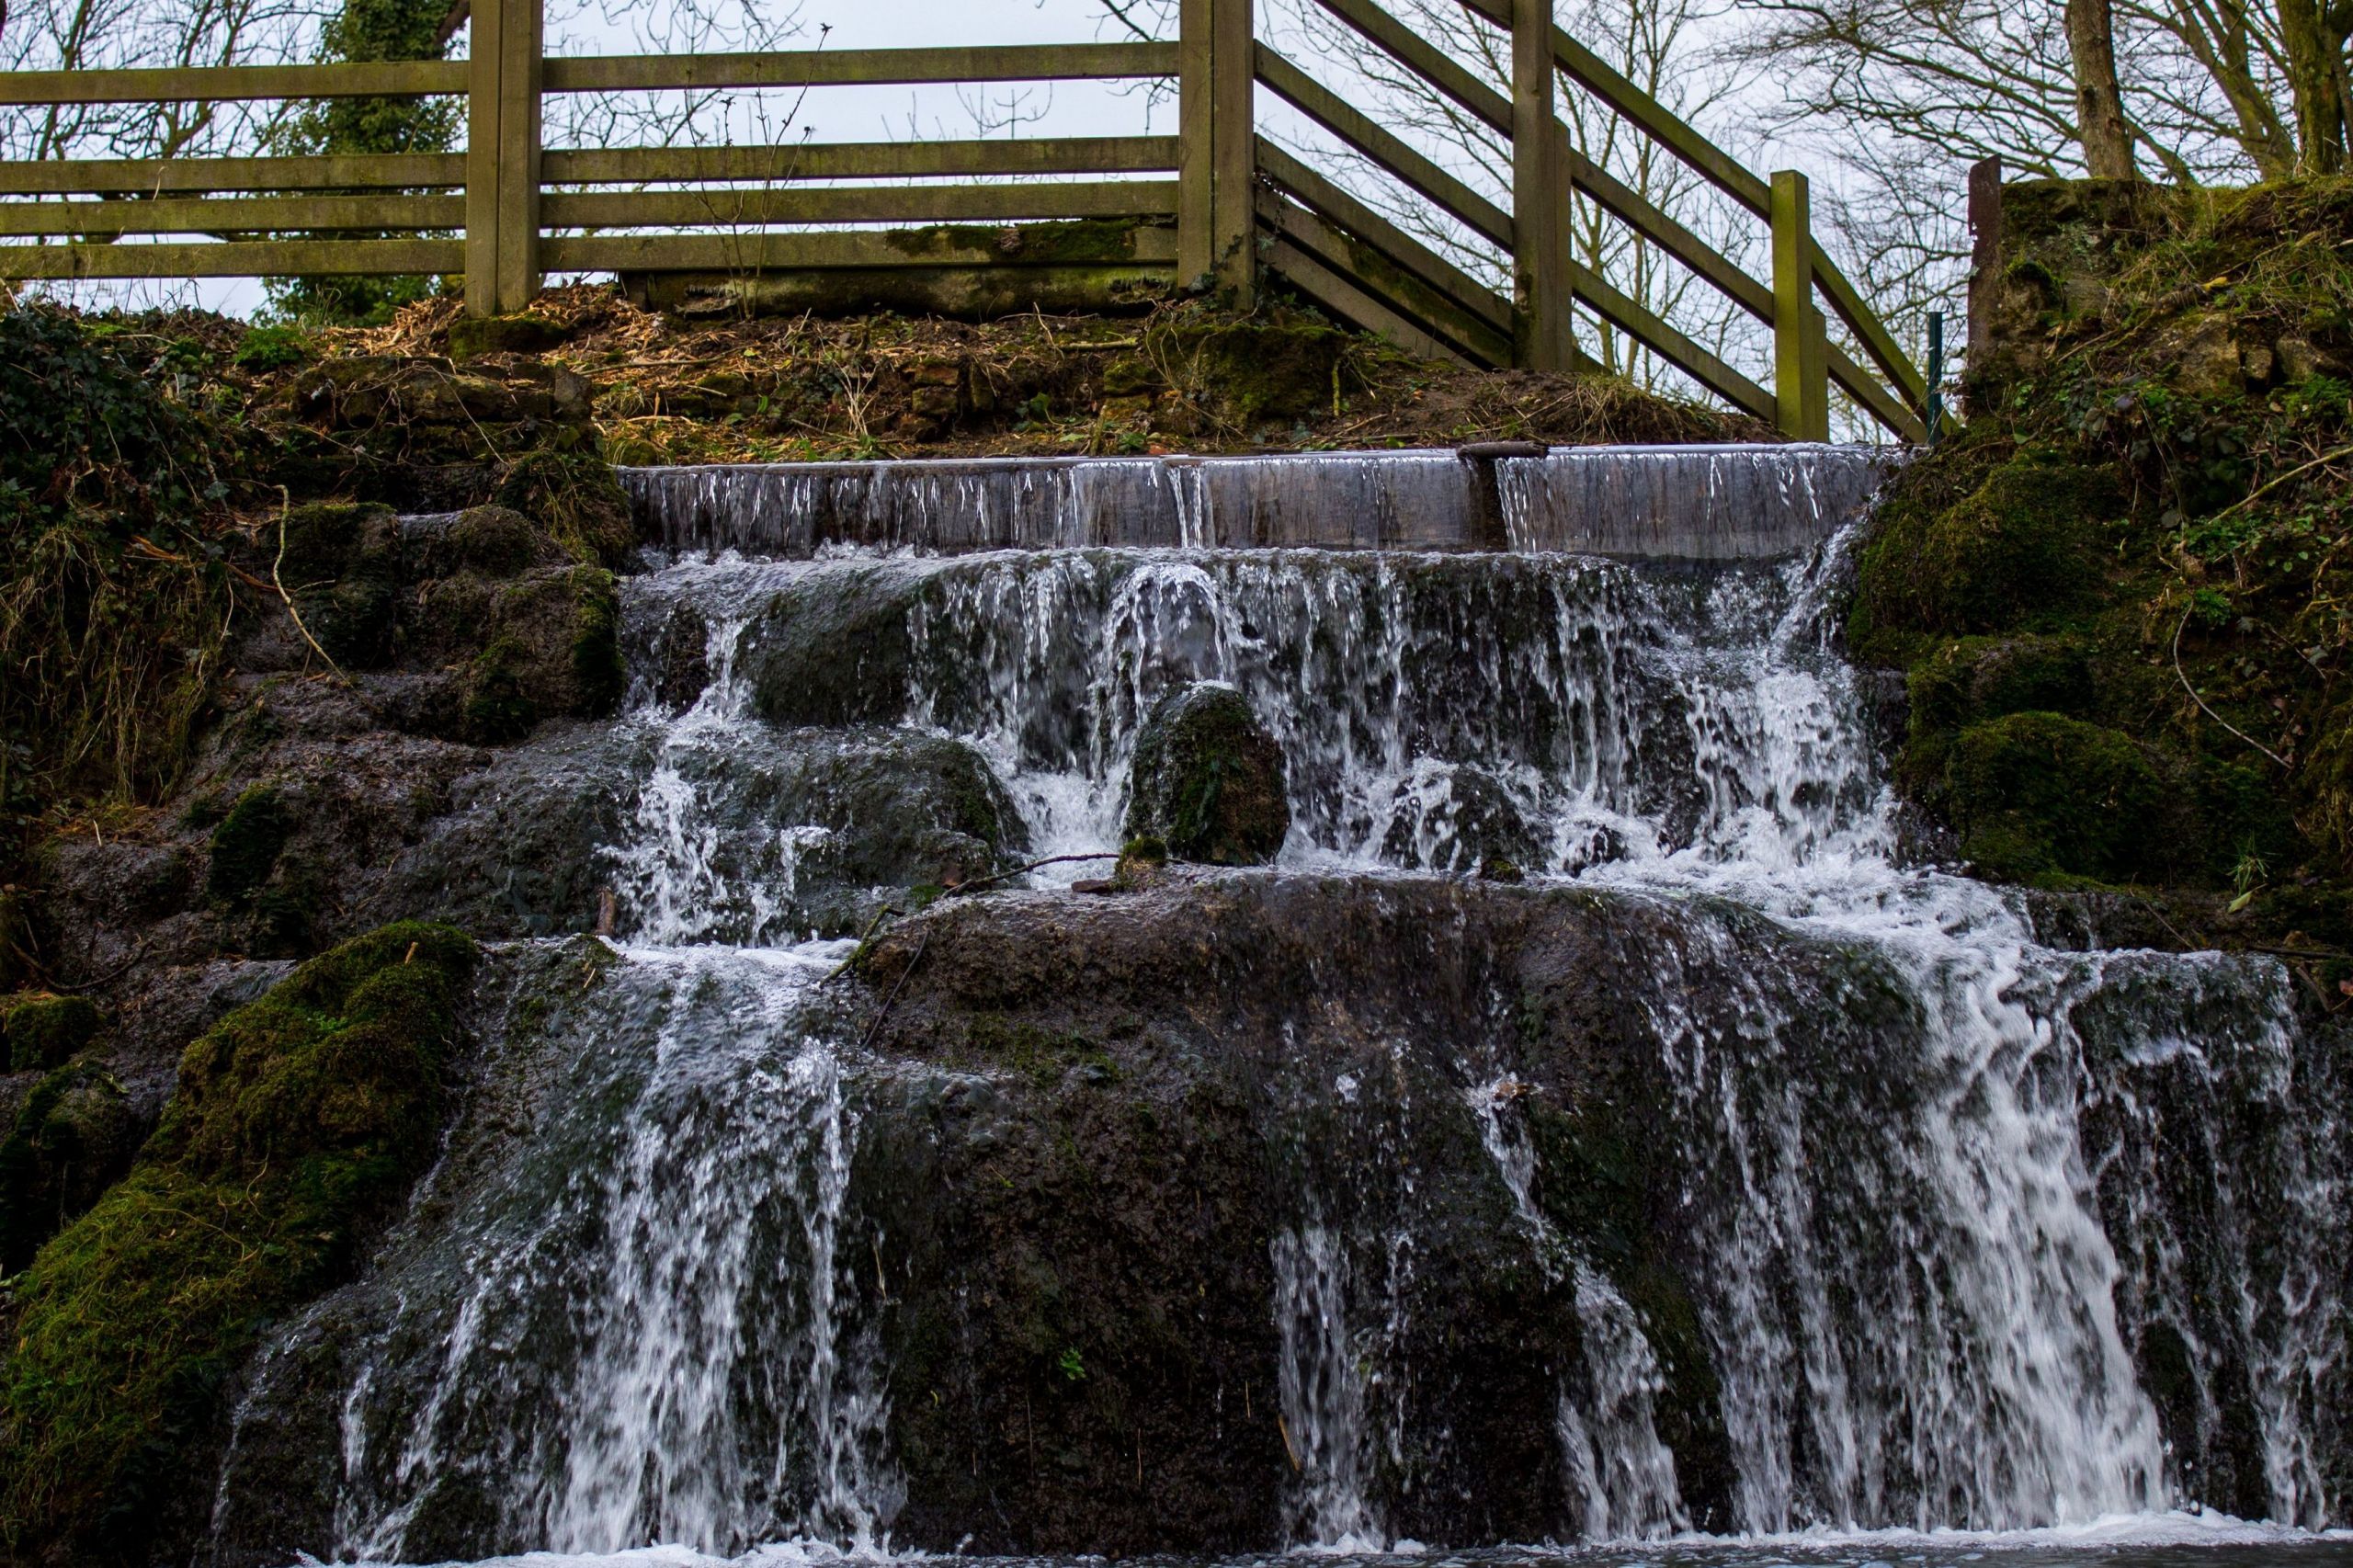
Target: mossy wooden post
1801,340
503,157
1540,193
1217,76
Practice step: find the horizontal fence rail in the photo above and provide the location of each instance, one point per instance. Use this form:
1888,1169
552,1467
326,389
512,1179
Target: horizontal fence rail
1213,206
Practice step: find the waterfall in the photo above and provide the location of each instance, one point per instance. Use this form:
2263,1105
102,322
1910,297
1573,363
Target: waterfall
1956,1229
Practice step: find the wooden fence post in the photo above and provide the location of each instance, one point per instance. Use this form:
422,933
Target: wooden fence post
1217,148
1539,192
503,156
1800,337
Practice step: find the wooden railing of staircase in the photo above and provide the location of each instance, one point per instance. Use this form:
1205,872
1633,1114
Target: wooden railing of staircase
1228,207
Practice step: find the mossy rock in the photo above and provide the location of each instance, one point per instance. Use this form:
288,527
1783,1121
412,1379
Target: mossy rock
2021,546
42,1031
74,1138
1261,371
245,847
342,567
497,542
1208,780
2037,794
576,498
297,1125
471,338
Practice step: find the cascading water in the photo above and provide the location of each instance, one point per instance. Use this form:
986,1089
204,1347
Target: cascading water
1991,1235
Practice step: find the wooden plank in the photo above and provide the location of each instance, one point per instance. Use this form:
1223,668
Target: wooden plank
205,84
1871,331
1197,147
1801,368
149,176
1347,301
1874,399
860,160
1632,317
864,67
232,215
939,247
483,107
1540,197
1327,200
1325,107
1234,142
1363,267
1417,54
522,48
859,204
1632,208
267,258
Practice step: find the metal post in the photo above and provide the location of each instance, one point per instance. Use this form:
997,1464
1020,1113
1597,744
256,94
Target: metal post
1800,337
1936,409
1540,189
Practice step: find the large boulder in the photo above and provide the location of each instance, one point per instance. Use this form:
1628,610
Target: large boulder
1208,780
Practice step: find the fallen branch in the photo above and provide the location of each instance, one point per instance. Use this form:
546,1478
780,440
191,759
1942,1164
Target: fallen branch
2233,729
892,1000
1025,871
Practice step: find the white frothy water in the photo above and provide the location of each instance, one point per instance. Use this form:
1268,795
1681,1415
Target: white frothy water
1935,1280
644,1305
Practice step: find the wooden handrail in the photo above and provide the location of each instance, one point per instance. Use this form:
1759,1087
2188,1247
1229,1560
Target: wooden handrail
508,188
1327,108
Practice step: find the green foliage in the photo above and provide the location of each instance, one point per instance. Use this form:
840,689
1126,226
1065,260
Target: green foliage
370,30
40,1032
272,349
2120,595
112,591
299,1123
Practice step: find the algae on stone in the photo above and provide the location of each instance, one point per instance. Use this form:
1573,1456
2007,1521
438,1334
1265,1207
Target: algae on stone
297,1124
1208,780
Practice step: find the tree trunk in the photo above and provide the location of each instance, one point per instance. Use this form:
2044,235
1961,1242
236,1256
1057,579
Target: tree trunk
2314,41
2099,103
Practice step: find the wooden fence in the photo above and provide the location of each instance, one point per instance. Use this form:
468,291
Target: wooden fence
1231,206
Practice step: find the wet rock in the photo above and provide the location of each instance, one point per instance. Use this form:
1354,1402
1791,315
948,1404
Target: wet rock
1208,780
832,650
1457,818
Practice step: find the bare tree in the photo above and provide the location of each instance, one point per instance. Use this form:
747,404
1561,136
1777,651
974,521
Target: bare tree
2100,125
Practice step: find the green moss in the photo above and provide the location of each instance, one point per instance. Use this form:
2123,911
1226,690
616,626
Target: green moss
596,670
1208,781
2034,794
473,337
245,847
2020,547
574,497
496,541
41,1032
1260,369
74,1135
299,1123
497,709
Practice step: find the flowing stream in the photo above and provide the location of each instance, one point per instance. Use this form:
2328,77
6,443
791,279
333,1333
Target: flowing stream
2063,1265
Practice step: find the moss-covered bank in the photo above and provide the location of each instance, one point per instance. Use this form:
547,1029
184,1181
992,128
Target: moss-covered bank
299,1123
2118,595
